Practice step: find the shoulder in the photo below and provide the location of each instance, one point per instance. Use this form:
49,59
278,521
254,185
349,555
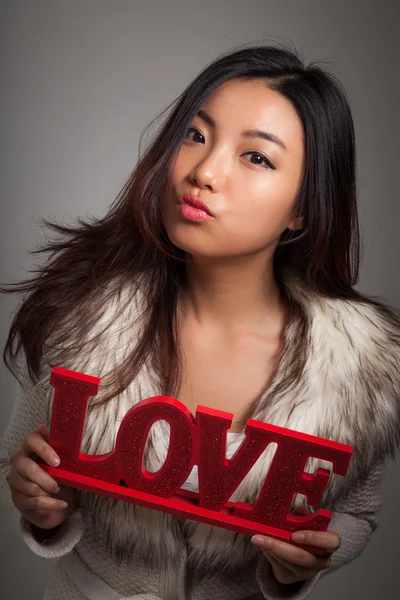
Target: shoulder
359,344
370,333
95,333
351,379
367,332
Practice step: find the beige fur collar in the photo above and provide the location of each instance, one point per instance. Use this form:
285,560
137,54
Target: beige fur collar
338,378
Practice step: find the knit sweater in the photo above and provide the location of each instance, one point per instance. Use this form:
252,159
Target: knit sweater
110,549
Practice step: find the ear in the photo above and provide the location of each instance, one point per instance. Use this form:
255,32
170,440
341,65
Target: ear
296,224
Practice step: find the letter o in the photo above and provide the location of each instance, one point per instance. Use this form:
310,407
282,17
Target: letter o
131,441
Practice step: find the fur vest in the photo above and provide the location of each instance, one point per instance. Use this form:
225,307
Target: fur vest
337,377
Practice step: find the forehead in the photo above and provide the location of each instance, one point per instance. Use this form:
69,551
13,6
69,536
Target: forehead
239,104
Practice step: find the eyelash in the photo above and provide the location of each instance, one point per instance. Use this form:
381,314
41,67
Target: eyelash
267,161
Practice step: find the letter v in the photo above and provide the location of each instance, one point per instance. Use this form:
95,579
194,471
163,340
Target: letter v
219,476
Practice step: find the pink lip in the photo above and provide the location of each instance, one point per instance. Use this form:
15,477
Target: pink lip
195,203
193,214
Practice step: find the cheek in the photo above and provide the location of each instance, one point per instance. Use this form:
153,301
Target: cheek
264,209
180,169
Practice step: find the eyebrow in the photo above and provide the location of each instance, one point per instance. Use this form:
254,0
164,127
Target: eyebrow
253,133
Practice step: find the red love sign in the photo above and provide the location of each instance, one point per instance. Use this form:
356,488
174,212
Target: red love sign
121,474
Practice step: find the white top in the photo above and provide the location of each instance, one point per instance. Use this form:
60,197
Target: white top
232,443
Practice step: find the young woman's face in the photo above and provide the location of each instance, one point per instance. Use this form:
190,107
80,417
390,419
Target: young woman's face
249,183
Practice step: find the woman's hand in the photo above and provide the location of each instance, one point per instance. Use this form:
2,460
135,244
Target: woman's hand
290,563
32,489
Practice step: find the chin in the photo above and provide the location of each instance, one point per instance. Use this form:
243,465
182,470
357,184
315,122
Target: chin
186,237
188,246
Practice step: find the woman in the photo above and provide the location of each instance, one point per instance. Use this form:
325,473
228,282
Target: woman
223,276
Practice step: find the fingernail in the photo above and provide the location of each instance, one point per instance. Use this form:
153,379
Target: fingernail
63,504
54,460
57,490
298,537
258,540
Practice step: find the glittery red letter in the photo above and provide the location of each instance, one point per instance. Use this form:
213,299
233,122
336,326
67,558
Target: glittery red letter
72,391
131,441
286,477
219,476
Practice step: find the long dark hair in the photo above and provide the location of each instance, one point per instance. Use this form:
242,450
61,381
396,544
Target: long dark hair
130,241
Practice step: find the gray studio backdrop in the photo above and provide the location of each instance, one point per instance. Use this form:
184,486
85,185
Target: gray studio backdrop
81,79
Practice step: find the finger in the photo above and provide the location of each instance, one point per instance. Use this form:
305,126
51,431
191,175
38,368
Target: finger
27,487
299,571
280,571
27,468
35,442
23,502
301,510
44,432
328,540
292,554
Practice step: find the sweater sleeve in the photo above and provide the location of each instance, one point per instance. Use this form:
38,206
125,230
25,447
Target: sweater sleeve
31,408
354,519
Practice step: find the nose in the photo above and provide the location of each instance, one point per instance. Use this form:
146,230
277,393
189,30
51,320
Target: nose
203,179
209,173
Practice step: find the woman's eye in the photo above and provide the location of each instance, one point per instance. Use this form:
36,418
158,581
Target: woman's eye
196,132
264,160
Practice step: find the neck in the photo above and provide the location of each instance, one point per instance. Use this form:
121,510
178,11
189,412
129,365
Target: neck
233,296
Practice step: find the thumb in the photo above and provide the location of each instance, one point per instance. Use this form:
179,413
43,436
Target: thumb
44,432
301,510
